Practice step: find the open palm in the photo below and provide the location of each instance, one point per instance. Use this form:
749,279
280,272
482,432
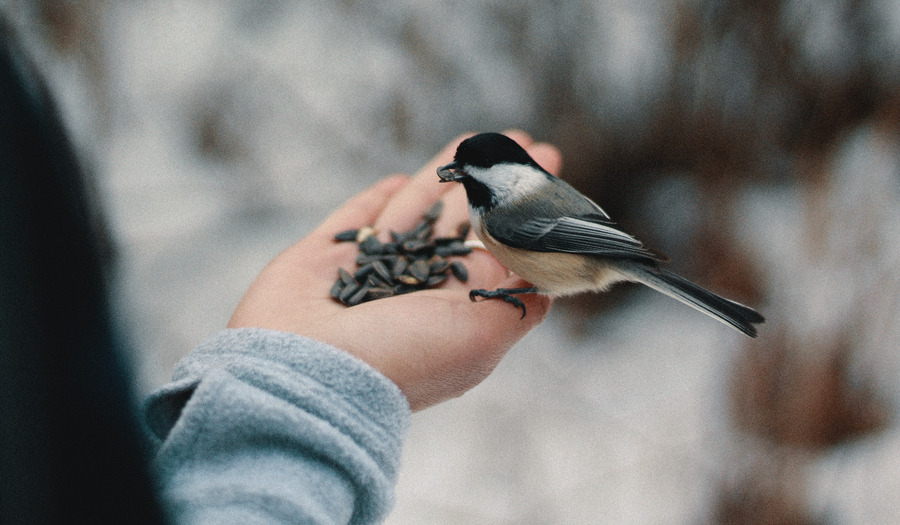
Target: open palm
434,344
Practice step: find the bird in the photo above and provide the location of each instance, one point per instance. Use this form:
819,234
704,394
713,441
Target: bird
559,240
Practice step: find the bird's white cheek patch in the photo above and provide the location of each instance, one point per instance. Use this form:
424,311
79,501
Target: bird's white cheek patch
509,181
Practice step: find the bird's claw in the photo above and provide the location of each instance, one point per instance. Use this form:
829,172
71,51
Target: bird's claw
500,293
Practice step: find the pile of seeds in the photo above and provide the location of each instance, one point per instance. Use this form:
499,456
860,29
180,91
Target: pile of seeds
411,261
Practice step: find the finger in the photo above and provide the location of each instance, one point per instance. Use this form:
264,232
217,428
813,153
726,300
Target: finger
318,251
522,138
406,208
456,211
547,156
429,170
363,209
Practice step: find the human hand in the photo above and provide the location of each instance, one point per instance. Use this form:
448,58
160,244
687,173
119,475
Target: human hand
434,344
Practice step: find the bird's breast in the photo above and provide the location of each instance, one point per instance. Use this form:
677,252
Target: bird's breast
554,273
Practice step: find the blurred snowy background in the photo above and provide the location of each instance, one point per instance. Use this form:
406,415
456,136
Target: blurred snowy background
757,143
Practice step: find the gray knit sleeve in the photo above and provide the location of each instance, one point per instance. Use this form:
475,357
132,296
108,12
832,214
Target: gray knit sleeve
260,426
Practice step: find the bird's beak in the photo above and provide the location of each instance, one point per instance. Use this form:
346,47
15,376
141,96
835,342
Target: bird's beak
447,174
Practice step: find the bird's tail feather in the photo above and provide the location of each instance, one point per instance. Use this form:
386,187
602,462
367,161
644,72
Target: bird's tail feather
735,314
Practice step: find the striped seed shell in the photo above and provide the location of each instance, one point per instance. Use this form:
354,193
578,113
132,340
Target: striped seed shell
399,267
435,280
453,248
420,270
411,261
348,292
391,248
346,276
416,246
371,246
375,280
401,288
378,292
459,248
459,271
346,235
423,230
382,271
358,297
364,259
363,271
439,265
336,289
434,212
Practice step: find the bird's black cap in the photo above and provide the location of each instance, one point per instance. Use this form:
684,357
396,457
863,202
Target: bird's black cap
488,149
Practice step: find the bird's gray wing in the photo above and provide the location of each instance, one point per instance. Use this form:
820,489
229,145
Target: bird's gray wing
567,234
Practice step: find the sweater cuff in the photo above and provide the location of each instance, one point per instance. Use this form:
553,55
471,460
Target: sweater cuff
328,383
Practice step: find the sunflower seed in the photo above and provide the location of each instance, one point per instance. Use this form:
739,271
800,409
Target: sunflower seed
378,292
348,292
358,297
364,258
346,235
346,276
374,280
336,289
399,267
371,246
402,288
423,230
438,265
411,261
433,212
459,271
416,246
420,270
391,248
390,259
364,271
459,248
399,237
454,248
408,279
364,233
382,270
435,280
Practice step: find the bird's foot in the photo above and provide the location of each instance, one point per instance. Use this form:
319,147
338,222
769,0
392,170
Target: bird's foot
503,293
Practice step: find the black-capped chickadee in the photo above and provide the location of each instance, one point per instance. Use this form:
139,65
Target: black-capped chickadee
557,239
